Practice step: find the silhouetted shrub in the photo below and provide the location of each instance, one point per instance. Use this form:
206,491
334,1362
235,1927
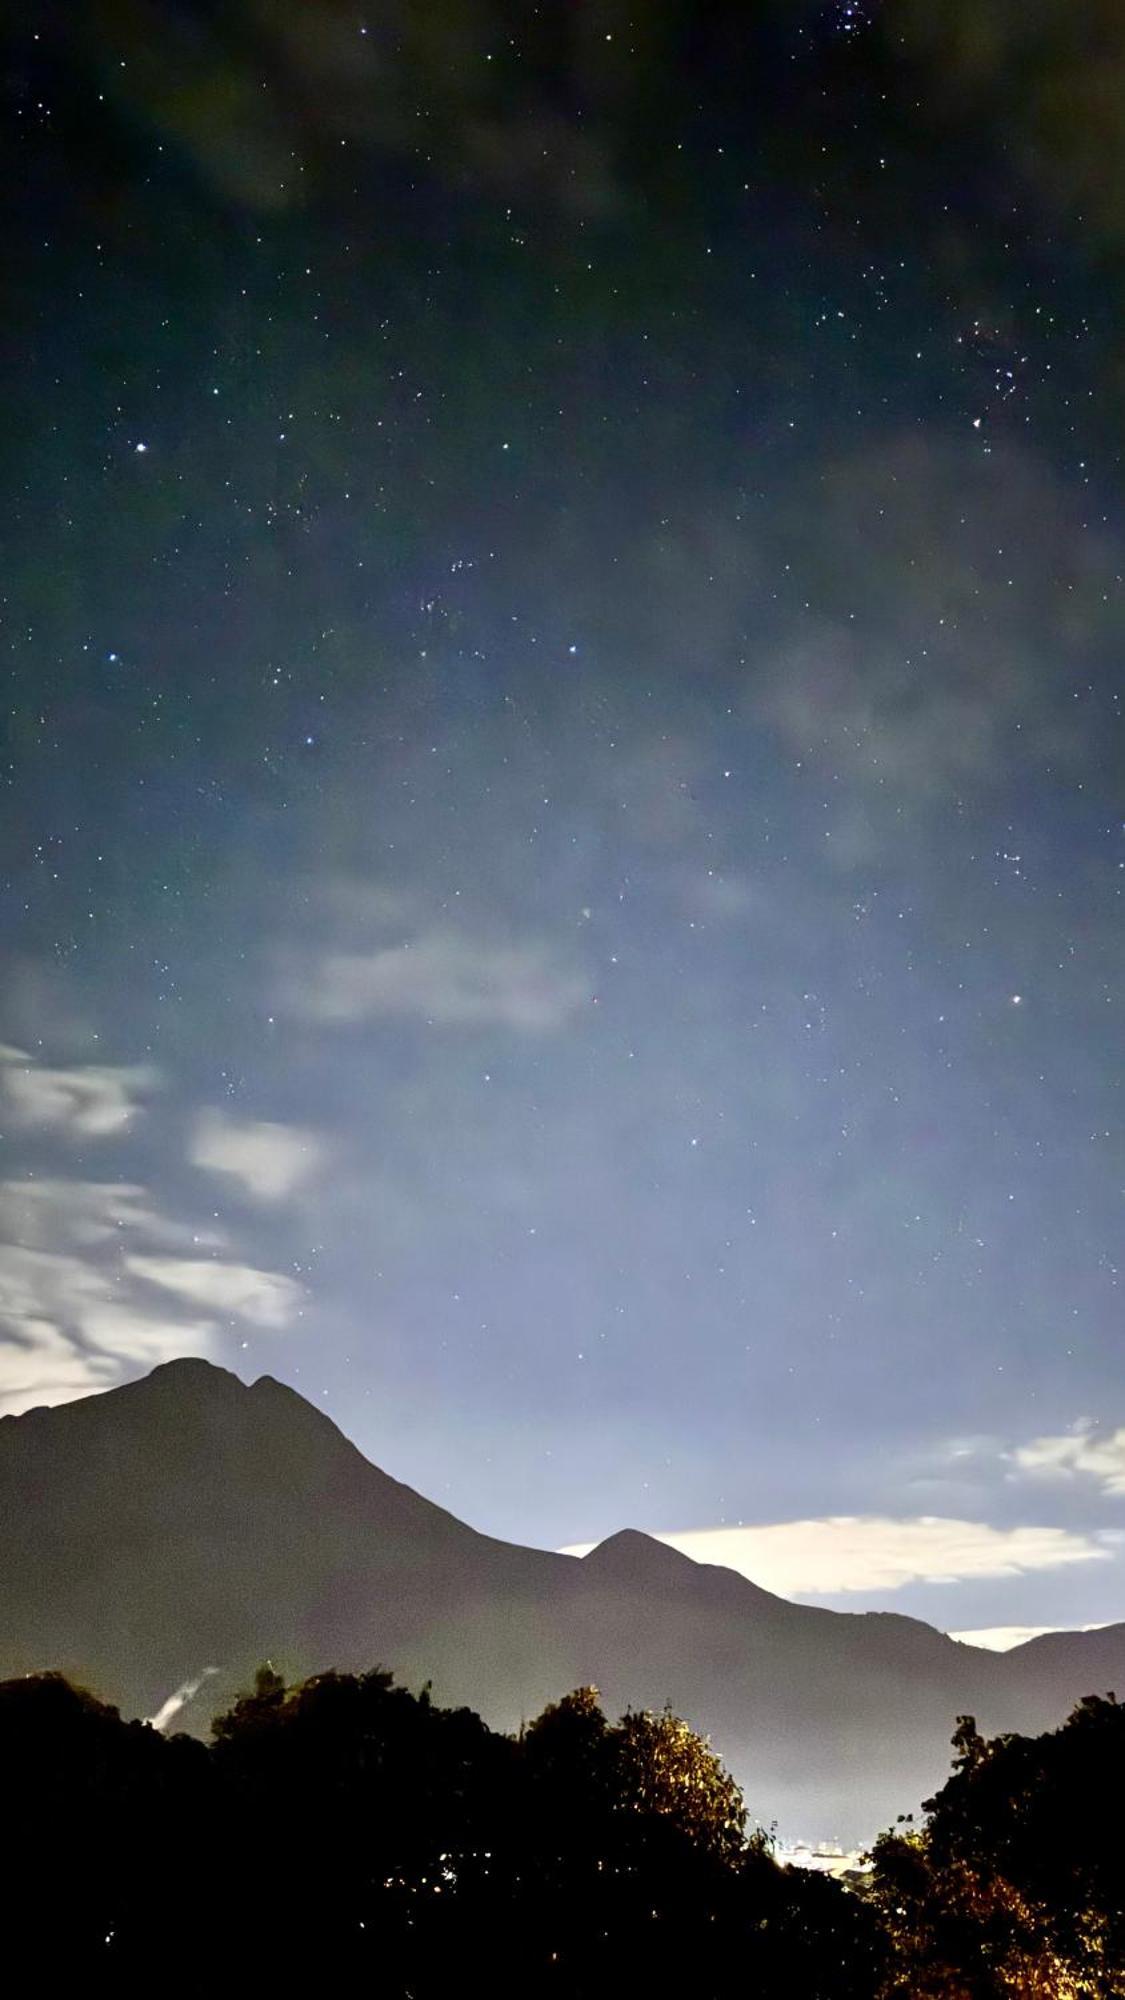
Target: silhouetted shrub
1015,1884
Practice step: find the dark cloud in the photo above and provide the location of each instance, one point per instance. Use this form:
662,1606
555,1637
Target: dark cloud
1048,81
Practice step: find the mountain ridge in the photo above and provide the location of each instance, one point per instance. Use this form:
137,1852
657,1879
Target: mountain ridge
189,1520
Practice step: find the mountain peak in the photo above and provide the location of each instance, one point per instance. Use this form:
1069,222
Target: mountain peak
630,1552
644,1561
192,1372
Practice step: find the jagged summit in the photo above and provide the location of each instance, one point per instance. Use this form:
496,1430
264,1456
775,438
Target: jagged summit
186,1377
193,1376
190,1392
189,1378
188,1372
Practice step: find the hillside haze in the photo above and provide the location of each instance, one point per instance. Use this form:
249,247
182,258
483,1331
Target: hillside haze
187,1521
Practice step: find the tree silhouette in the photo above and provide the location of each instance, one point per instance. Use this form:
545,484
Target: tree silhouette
405,1799
1014,1884
663,1768
350,1834
97,1815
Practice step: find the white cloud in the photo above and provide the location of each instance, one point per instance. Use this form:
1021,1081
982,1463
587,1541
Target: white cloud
67,1329
1001,1638
87,1100
38,1364
843,1553
48,1213
264,1298
1080,1452
76,1310
441,977
35,1283
270,1160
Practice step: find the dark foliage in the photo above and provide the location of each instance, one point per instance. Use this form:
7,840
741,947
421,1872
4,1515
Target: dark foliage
347,1835
1015,1885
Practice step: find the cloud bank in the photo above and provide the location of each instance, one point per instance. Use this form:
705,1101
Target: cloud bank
846,1553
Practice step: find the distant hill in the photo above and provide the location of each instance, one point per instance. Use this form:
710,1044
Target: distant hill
187,1521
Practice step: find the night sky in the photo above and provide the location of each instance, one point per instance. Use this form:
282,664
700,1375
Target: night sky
562,827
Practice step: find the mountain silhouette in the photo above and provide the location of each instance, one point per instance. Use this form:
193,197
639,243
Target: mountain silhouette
189,1522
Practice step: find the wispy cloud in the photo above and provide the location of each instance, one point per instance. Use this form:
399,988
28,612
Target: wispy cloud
898,691
843,1553
39,1363
270,1160
1081,1453
90,1288
443,977
50,1213
265,1298
67,1328
84,1100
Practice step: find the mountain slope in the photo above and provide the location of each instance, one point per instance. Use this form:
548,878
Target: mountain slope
189,1521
